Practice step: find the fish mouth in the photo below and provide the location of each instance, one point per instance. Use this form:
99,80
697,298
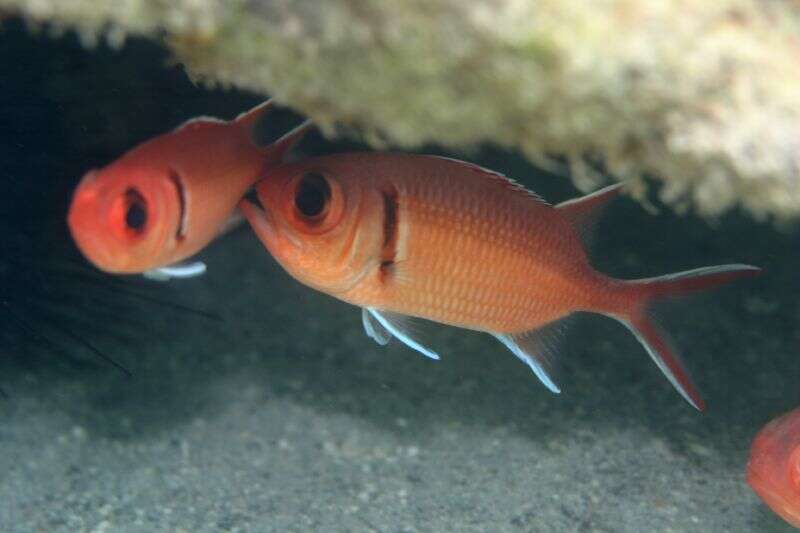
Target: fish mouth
81,221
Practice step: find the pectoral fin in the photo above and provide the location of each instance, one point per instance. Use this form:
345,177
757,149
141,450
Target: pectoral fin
401,326
374,329
179,270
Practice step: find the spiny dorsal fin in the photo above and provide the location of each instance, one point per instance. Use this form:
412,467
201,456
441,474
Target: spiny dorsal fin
281,147
582,213
249,118
507,182
198,122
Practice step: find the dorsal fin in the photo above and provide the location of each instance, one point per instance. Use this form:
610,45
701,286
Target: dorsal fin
280,148
582,213
249,118
199,122
507,182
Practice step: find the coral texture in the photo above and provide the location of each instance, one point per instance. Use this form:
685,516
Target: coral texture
704,95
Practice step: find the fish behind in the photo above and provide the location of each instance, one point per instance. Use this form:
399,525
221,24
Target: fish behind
773,470
167,198
412,236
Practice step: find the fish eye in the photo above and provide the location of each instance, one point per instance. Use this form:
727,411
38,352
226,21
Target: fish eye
312,195
135,211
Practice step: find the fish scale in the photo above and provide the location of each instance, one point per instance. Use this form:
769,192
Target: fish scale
440,239
438,216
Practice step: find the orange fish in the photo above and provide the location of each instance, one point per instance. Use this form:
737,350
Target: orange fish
170,196
407,236
773,470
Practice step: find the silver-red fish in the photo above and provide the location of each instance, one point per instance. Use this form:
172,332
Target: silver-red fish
167,198
773,470
407,236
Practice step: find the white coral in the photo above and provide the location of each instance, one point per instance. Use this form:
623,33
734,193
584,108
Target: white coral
702,94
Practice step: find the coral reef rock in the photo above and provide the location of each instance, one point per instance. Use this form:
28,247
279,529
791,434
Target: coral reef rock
704,95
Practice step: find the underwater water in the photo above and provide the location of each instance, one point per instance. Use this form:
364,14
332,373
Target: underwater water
277,413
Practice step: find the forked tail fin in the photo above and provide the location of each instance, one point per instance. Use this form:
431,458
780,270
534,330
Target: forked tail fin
638,316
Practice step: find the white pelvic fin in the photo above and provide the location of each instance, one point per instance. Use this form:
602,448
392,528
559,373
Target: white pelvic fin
538,349
374,329
179,270
402,327
235,220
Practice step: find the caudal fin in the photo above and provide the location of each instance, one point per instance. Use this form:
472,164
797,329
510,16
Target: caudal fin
640,319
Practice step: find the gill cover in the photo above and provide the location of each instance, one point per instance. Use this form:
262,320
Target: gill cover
318,224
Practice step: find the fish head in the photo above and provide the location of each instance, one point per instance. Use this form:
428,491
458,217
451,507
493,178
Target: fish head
126,218
773,470
316,223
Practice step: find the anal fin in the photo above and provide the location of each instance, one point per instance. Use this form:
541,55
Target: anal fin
538,348
404,327
374,329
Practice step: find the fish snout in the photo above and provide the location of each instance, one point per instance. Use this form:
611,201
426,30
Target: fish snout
87,224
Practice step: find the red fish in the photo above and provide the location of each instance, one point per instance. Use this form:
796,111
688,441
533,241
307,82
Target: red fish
407,236
170,196
773,470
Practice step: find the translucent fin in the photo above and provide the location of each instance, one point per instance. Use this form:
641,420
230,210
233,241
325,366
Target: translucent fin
664,355
279,149
640,318
402,327
504,180
538,349
692,281
181,270
582,213
231,223
374,329
249,118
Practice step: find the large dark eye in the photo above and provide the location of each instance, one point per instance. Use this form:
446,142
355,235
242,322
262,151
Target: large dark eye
312,195
135,210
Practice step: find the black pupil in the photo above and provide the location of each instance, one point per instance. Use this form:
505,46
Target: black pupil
312,194
136,215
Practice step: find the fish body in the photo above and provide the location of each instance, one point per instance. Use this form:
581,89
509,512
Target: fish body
429,237
167,198
773,470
